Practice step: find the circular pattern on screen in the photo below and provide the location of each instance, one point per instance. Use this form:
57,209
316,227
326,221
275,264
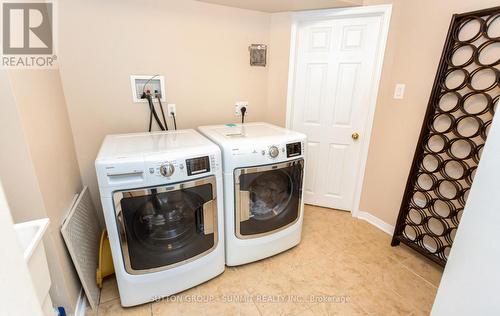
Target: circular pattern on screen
436,143
483,79
448,102
442,123
468,126
425,181
462,55
454,169
476,103
493,27
455,79
461,148
435,226
442,209
431,163
485,54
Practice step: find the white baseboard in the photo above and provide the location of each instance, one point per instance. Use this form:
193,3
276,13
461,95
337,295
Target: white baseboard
377,222
380,224
81,304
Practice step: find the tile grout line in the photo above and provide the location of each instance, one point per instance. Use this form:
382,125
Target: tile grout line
418,275
409,303
253,302
400,296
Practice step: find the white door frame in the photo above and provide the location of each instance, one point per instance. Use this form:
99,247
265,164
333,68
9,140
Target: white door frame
380,10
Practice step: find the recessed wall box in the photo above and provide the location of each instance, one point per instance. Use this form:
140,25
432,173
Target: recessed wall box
140,83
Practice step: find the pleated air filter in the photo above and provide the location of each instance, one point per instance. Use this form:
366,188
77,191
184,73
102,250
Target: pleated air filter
81,232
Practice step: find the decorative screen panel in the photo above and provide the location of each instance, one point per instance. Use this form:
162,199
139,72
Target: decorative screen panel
456,124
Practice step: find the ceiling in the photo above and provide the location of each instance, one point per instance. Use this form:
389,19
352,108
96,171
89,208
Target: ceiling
286,5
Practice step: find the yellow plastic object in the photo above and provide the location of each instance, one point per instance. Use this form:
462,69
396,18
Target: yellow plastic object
105,267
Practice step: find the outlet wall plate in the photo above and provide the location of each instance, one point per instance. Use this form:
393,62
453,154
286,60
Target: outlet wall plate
171,109
137,84
238,105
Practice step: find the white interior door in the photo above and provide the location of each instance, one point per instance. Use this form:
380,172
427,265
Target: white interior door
335,67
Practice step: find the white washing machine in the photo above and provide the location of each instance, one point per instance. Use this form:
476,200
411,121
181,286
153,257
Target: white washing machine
162,201
263,178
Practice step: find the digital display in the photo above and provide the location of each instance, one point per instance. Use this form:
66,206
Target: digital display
197,165
293,149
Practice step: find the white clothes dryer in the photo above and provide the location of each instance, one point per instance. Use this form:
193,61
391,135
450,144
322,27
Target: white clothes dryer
263,169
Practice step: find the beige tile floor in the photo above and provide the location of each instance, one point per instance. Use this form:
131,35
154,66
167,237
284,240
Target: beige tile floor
343,266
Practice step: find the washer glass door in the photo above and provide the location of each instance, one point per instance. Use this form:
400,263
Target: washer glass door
267,198
165,226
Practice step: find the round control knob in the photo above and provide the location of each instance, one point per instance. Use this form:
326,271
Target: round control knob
167,169
274,151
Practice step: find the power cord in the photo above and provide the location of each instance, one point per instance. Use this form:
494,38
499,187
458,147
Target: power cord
147,95
243,110
158,96
150,119
173,117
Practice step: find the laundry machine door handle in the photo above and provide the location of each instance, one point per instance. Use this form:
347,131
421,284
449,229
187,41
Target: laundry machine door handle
244,205
208,216
121,226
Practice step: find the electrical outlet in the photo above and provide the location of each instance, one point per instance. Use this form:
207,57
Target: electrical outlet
171,109
238,106
399,91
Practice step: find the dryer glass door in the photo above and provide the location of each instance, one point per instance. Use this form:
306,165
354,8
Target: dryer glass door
267,198
165,226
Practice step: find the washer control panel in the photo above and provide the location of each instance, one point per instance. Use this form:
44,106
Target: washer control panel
181,168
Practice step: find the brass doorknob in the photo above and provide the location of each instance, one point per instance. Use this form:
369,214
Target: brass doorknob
355,136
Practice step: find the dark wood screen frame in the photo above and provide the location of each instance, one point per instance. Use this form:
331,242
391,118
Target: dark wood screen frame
452,43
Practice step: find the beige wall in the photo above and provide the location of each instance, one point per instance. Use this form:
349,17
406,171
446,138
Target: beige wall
16,167
279,53
416,37
49,176
201,49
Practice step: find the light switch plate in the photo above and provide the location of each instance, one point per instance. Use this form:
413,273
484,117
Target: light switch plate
152,82
399,91
238,106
